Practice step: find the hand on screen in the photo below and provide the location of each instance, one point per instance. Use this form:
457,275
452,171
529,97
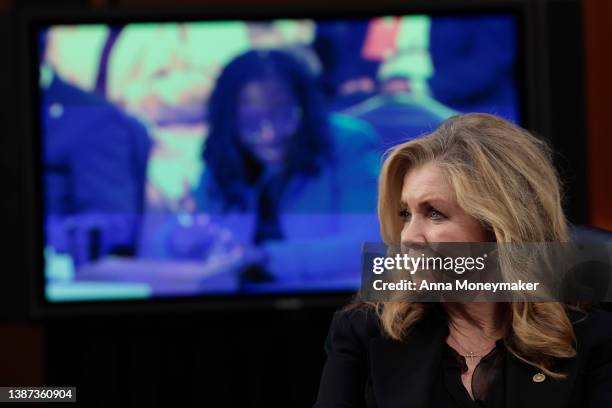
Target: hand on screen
197,237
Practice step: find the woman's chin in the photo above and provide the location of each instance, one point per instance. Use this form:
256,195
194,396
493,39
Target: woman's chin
269,157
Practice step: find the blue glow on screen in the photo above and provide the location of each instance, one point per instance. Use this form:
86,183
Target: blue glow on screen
232,157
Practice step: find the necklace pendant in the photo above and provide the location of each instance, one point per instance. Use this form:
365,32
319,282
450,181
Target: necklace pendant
471,355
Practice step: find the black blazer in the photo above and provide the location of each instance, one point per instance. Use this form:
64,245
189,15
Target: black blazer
364,368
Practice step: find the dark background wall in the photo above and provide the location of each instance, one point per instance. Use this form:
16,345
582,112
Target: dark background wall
597,15
246,360
253,358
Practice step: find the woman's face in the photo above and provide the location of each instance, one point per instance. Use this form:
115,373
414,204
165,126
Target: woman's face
268,117
431,212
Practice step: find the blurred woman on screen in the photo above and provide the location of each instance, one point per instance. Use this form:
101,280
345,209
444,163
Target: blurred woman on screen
282,173
477,178
289,184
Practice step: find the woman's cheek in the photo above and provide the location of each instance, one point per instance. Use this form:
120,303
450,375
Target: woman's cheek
448,231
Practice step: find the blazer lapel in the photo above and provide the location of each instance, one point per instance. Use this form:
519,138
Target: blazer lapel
523,391
403,373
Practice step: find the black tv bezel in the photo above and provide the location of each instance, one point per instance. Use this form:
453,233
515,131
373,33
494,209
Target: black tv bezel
530,67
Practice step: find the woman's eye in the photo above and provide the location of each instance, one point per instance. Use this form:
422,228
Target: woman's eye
405,214
435,215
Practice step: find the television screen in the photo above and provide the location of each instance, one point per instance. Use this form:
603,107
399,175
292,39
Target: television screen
225,158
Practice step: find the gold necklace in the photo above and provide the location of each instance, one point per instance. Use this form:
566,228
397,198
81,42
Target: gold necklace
470,354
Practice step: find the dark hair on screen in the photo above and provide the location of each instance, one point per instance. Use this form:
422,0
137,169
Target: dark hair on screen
232,166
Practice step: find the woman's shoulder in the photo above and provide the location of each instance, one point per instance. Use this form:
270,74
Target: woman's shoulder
352,134
359,320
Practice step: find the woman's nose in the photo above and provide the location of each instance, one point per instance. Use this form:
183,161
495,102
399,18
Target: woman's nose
268,132
413,232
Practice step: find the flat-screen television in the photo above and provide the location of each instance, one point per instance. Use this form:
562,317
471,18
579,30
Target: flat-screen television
232,158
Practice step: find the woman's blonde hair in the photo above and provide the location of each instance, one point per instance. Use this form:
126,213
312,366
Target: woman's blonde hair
504,177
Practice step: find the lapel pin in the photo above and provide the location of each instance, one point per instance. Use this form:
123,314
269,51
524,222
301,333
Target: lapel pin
539,377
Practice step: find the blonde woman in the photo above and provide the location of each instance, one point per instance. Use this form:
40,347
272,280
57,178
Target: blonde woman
476,178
